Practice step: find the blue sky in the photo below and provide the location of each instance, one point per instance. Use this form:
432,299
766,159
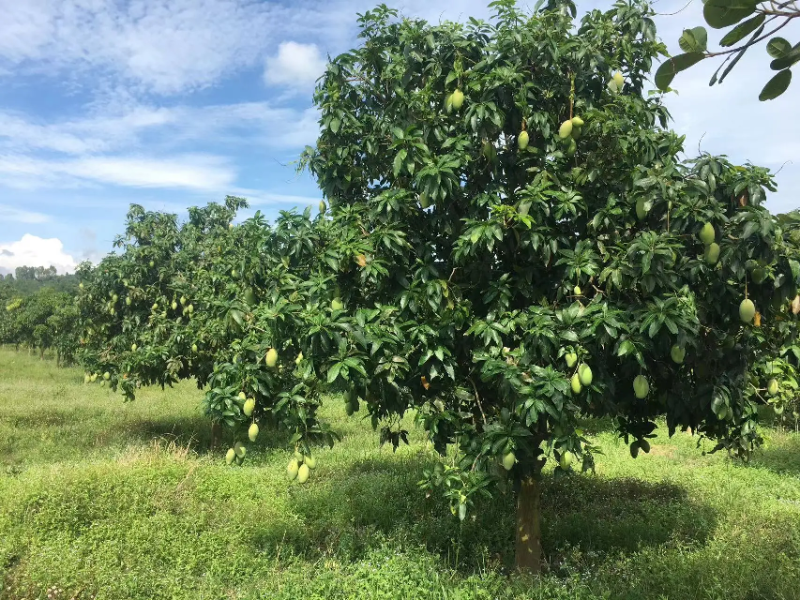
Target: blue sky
173,103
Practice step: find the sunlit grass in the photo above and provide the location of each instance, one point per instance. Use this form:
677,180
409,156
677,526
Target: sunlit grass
104,499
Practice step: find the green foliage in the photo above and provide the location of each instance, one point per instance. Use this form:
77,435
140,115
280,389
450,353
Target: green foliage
40,320
745,18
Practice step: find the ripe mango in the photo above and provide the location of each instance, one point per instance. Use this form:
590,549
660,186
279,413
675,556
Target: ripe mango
249,407
230,455
271,358
310,461
618,80
252,432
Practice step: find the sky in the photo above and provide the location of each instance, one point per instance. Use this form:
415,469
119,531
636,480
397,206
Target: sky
175,103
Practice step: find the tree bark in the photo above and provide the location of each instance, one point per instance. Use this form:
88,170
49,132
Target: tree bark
216,432
529,528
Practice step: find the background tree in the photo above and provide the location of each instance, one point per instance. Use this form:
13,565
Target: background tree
514,244
751,19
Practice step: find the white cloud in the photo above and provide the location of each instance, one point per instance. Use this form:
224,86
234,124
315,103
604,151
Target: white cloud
18,215
33,251
96,133
295,65
159,46
193,172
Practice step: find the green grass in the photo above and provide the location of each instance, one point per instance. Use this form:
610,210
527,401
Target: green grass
101,499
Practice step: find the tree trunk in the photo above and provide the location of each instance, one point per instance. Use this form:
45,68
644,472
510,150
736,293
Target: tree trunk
216,432
529,528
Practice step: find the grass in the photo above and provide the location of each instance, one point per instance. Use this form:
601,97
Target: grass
101,499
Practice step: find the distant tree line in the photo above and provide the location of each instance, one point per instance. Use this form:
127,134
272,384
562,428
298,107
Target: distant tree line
39,311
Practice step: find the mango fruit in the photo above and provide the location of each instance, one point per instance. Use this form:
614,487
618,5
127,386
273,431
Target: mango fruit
292,468
641,387
677,354
523,140
585,374
575,384
509,460
641,208
747,310
271,358
566,460
711,254
239,450
457,99
302,473
249,407
772,387
565,130
571,359
707,234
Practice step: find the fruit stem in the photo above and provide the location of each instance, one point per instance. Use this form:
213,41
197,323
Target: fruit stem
571,93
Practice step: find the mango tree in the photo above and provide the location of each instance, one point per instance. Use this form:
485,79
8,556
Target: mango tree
533,250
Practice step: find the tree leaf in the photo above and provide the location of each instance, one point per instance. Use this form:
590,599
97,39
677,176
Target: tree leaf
694,40
776,86
787,60
778,47
724,13
742,29
672,66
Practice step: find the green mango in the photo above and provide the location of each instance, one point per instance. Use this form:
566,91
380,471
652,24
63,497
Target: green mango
641,387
